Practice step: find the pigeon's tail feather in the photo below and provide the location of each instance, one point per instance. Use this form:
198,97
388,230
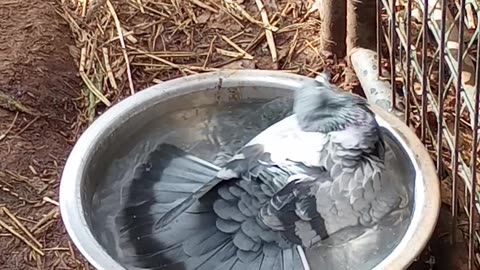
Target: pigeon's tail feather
188,202
164,181
181,179
222,258
272,257
195,240
172,175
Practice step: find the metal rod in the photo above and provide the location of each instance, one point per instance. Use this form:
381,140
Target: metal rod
445,136
423,115
441,88
449,58
471,242
393,47
458,103
379,38
409,62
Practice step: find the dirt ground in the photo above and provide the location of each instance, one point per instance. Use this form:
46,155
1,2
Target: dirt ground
38,125
40,119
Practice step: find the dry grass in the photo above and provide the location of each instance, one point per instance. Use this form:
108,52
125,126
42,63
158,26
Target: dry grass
127,46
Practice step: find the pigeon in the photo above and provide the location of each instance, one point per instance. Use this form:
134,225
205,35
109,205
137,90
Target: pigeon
304,180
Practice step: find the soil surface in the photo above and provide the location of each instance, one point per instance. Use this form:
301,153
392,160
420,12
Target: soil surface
38,125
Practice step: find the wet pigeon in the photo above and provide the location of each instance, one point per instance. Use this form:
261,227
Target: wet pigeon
299,183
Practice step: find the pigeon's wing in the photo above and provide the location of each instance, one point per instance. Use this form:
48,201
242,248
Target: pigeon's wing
220,230
246,158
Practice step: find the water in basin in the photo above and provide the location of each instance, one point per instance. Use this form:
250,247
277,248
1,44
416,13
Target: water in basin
214,133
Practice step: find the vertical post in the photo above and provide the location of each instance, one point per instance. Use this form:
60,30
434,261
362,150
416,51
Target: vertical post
458,103
361,22
409,63
393,48
441,88
423,114
379,38
333,28
473,195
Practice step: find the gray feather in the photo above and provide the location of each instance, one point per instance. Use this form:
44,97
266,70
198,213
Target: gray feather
225,193
267,190
256,262
242,241
252,229
270,256
336,170
205,241
182,207
297,260
259,194
228,210
249,256
164,174
171,215
246,207
304,208
220,256
239,265
227,265
246,185
236,191
227,226
203,262
287,257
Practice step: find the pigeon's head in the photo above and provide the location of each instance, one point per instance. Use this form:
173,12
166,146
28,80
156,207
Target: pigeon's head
322,107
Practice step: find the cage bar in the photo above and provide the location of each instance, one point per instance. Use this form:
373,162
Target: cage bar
437,26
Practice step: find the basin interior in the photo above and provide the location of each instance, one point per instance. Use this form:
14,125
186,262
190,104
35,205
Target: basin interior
206,123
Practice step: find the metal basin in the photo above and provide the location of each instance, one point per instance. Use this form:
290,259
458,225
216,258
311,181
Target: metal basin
219,112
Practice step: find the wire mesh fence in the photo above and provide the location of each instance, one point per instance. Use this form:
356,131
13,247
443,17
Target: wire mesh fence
428,50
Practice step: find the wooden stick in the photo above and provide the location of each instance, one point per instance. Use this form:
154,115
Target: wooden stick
240,50
139,2
269,34
210,50
49,200
20,225
94,89
124,48
108,67
2,136
231,54
470,17
231,4
180,68
204,6
43,220
19,236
